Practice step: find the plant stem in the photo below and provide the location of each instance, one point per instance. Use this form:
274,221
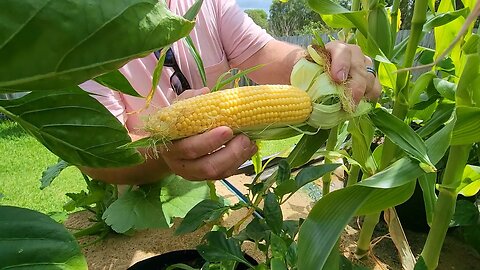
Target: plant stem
445,206
363,243
331,143
353,176
393,21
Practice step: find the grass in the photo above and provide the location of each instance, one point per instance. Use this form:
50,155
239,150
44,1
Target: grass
22,162
25,159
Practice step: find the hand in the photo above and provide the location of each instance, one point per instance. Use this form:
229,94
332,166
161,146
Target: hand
212,155
349,62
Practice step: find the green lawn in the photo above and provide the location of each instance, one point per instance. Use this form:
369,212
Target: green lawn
22,161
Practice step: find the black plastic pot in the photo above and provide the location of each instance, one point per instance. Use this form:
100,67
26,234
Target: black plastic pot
189,257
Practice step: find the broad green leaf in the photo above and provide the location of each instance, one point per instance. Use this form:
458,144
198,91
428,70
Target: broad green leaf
283,172
32,240
312,173
441,19
358,18
445,88
44,44
471,235
421,86
468,85
420,265
52,172
470,184
202,213
466,127
219,248
379,30
402,135
273,213
427,184
332,213
257,230
306,148
135,210
362,132
387,74
97,192
278,246
278,264
178,195
117,82
441,115
445,34
74,126
466,214
192,12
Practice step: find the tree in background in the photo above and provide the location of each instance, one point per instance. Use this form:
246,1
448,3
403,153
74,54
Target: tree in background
259,16
291,18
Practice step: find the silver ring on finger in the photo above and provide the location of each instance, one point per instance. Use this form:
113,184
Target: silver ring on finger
372,71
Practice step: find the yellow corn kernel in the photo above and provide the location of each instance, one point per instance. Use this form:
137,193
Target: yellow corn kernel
242,109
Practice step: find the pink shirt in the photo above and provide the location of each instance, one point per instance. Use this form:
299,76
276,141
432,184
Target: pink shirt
224,37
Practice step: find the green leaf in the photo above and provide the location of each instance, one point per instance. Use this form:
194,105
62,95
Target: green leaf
278,246
403,136
421,85
466,127
117,82
445,88
468,85
420,265
52,172
135,210
466,214
192,12
283,172
278,264
441,115
441,19
32,240
178,195
198,59
68,52
257,229
312,173
273,213
83,199
385,189
219,248
74,126
470,184
202,213
306,148
427,184
379,30
471,235
323,7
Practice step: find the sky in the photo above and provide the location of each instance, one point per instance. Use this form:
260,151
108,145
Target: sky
249,4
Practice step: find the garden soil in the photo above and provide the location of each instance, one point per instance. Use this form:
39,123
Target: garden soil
120,251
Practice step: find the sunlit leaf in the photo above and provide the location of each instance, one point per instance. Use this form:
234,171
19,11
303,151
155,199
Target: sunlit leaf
117,82
74,126
470,184
466,127
52,172
402,135
202,213
32,240
45,44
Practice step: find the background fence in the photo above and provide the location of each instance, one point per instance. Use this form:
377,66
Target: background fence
428,40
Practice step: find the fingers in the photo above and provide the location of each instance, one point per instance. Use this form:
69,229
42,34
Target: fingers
349,65
341,60
214,154
373,84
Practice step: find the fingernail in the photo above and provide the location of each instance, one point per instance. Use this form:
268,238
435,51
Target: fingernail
342,75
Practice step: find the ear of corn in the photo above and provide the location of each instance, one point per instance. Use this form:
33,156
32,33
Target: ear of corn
265,111
244,109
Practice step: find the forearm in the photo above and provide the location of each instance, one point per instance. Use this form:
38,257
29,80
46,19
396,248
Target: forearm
278,57
152,170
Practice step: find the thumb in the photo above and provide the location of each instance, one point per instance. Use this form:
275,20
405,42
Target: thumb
193,92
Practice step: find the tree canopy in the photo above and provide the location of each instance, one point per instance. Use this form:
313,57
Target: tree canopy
259,16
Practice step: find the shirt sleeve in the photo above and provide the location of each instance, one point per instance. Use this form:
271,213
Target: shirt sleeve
240,36
112,100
